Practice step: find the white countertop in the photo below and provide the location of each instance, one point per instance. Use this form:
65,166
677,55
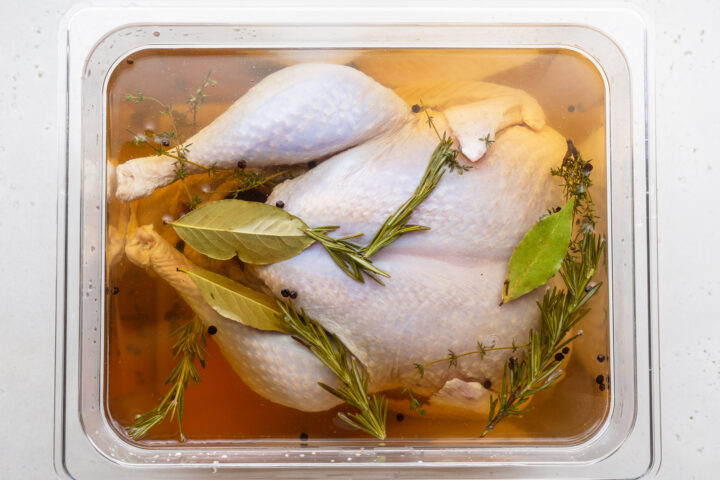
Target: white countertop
688,179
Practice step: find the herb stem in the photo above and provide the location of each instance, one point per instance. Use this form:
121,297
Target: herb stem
481,352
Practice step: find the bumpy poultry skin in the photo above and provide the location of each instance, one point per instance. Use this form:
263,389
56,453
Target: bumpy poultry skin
446,282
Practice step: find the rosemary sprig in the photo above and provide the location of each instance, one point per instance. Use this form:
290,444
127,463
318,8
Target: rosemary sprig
352,378
444,157
355,260
189,347
346,254
560,311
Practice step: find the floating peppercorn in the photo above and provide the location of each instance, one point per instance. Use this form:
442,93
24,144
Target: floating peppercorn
130,61
602,387
487,384
599,379
180,246
280,204
242,164
304,437
312,164
559,356
115,290
571,108
165,142
212,330
415,108
293,295
566,350
601,358
285,292
400,417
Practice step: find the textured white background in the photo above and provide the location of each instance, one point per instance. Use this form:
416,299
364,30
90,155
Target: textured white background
687,42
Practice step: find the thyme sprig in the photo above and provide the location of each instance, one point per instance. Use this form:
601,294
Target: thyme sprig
162,143
354,259
576,182
352,378
188,347
451,359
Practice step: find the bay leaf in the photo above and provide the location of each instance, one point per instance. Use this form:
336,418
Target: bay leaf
257,233
539,254
237,302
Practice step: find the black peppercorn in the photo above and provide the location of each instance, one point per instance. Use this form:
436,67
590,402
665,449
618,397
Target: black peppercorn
601,358
602,387
242,164
115,290
566,350
304,437
487,384
130,61
600,379
312,164
559,356
285,292
212,330
293,295
280,204
180,246
165,142
400,417
415,108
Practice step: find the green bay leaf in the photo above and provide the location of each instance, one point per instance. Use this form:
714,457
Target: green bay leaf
539,254
257,233
237,302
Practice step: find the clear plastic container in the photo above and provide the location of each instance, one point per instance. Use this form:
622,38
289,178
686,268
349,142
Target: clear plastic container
587,68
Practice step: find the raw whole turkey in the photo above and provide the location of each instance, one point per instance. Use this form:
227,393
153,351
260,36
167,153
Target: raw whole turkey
373,145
